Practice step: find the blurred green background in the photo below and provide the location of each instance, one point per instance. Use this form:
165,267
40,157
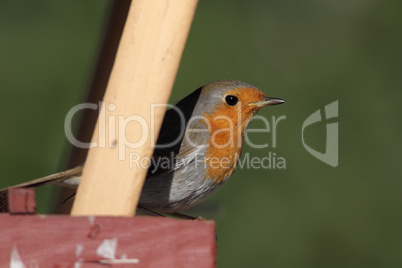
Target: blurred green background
309,53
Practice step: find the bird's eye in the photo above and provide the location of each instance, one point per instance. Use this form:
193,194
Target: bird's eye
231,100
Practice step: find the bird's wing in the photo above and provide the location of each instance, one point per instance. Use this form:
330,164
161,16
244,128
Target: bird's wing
188,155
163,164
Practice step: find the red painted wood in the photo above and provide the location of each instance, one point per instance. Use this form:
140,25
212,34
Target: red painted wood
18,201
21,201
64,241
3,201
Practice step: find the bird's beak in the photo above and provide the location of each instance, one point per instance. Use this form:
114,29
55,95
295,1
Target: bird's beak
267,101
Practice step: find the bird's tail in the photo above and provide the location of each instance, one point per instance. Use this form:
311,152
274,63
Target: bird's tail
52,179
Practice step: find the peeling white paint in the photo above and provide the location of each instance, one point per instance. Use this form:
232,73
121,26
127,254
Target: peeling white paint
91,220
15,260
120,261
34,264
77,264
79,249
108,248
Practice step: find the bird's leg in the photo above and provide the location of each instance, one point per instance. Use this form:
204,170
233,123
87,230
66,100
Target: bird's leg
149,212
184,217
173,214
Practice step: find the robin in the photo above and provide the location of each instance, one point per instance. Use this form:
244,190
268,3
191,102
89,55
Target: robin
199,145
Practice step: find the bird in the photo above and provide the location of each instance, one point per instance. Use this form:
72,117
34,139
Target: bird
198,148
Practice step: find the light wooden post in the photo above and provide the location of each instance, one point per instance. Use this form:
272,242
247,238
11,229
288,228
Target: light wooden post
143,74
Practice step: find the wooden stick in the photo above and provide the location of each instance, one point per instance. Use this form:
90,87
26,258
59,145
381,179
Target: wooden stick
116,20
143,74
